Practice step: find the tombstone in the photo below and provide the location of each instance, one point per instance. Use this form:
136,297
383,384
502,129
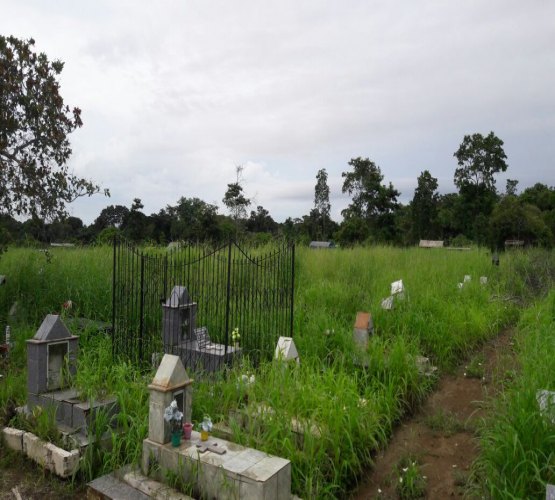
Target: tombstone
192,344
549,492
467,278
286,350
362,330
51,354
387,303
397,288
546,402
179,318
483,280
170,382
51,363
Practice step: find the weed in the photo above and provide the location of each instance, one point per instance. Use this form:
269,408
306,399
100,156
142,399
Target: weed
445,422
411,483
476,367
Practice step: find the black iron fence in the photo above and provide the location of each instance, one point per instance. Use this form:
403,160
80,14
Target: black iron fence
206,305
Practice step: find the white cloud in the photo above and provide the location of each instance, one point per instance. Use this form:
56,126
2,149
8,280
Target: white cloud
175,94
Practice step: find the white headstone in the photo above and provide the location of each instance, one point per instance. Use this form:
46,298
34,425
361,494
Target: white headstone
397,287
467,278
286,350
546,402
483,280
387,303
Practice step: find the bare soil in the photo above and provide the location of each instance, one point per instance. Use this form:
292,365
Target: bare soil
441,434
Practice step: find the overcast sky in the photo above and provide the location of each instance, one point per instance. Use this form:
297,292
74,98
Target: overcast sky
175,94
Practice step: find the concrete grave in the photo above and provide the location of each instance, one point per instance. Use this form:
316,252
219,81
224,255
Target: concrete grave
363,328
183,338
286,350
217,468
51,364
546,403
170,382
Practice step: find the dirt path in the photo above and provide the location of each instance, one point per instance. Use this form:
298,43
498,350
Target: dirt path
440,437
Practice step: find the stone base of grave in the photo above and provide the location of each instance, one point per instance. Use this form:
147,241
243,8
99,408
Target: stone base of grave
209,358
70,410
239,472
128,483
58,461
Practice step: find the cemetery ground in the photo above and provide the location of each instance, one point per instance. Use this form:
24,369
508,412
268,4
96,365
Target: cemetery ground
346,404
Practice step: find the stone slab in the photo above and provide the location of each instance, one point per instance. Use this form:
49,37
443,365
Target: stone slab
109,487
64,463
13,438
239,473
549,492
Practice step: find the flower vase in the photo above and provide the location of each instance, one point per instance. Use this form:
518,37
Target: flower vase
187,428
176,438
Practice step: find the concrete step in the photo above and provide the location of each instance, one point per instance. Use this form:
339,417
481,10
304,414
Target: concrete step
128,483
109,487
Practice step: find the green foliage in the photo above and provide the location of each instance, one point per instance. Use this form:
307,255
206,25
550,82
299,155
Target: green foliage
479,159
516,458
34,125
331,412
372,201
424,207
411,483
512,219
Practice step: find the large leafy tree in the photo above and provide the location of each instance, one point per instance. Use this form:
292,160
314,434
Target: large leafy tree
34,127
372,201
479,159
424,207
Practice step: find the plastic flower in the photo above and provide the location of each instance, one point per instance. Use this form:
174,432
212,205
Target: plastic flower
235,335
172,413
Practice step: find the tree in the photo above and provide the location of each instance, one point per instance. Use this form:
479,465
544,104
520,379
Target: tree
479,159
261,221
235,200
111,216
194,220
512,219
34,128
511,187
424,207
372,201
322,202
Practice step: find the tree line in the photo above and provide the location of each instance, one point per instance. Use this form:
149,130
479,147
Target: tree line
35,182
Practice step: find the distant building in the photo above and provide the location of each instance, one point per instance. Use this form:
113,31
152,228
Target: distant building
514,243
321,244
430,244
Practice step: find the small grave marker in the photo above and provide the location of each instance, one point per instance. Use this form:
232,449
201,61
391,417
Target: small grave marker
362,329
546,402
549,492
483,280
170,382
286,350
387,303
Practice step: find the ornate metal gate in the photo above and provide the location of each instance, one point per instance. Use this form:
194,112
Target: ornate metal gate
206,305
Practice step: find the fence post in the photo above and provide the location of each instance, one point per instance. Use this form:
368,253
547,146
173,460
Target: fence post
228,296
114,296
292,286
141,309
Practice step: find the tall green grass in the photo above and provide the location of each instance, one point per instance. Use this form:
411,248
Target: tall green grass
352,407
517,442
